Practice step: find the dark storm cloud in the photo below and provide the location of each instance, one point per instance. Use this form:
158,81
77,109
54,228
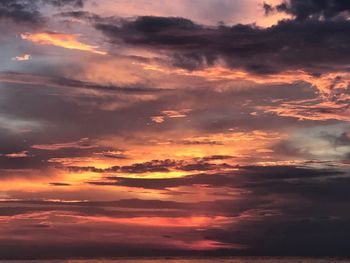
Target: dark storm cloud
89,249
163,166
22,11
297,207
304,9
312,45
254,177
137,207
147,167
196,164
304,217
289,236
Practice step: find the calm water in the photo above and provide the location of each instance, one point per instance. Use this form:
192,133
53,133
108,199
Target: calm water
167,260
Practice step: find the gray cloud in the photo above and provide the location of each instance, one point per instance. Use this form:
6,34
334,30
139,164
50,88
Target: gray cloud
312,8
22,11
289,45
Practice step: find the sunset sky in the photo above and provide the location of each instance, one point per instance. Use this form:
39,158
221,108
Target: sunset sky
155,127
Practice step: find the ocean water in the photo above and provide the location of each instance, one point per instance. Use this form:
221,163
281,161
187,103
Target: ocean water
179,260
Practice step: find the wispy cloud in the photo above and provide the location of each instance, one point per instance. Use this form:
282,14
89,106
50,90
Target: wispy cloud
21,154
170,114
23,57
68,41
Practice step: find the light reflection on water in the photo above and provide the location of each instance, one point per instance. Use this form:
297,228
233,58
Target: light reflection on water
171,260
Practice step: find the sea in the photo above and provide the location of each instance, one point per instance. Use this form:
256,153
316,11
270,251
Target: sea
181,260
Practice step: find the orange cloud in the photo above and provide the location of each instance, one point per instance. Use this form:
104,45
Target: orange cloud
68,41
170,114
326,83
311,110
175,113
17,154
157,119
176,222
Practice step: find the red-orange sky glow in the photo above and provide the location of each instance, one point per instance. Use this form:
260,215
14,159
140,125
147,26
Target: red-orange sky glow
189,127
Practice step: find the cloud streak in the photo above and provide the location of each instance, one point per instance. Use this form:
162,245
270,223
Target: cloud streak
67,41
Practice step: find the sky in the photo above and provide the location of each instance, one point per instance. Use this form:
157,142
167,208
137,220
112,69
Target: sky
185,127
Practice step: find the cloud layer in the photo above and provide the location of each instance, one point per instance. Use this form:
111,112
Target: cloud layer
158,130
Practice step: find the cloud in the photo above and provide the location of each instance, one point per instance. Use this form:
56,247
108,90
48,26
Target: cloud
175,113
313,9
170,114
115,154
240,108
289,46
21,154
20,11
254,177
298,202
24,57
62,82
67,41
314,110
282,53
83,143
157,119
60,3
28,12
161,166
60,184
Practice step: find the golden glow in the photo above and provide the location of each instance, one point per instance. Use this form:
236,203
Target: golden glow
177,222
68,41
21,154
